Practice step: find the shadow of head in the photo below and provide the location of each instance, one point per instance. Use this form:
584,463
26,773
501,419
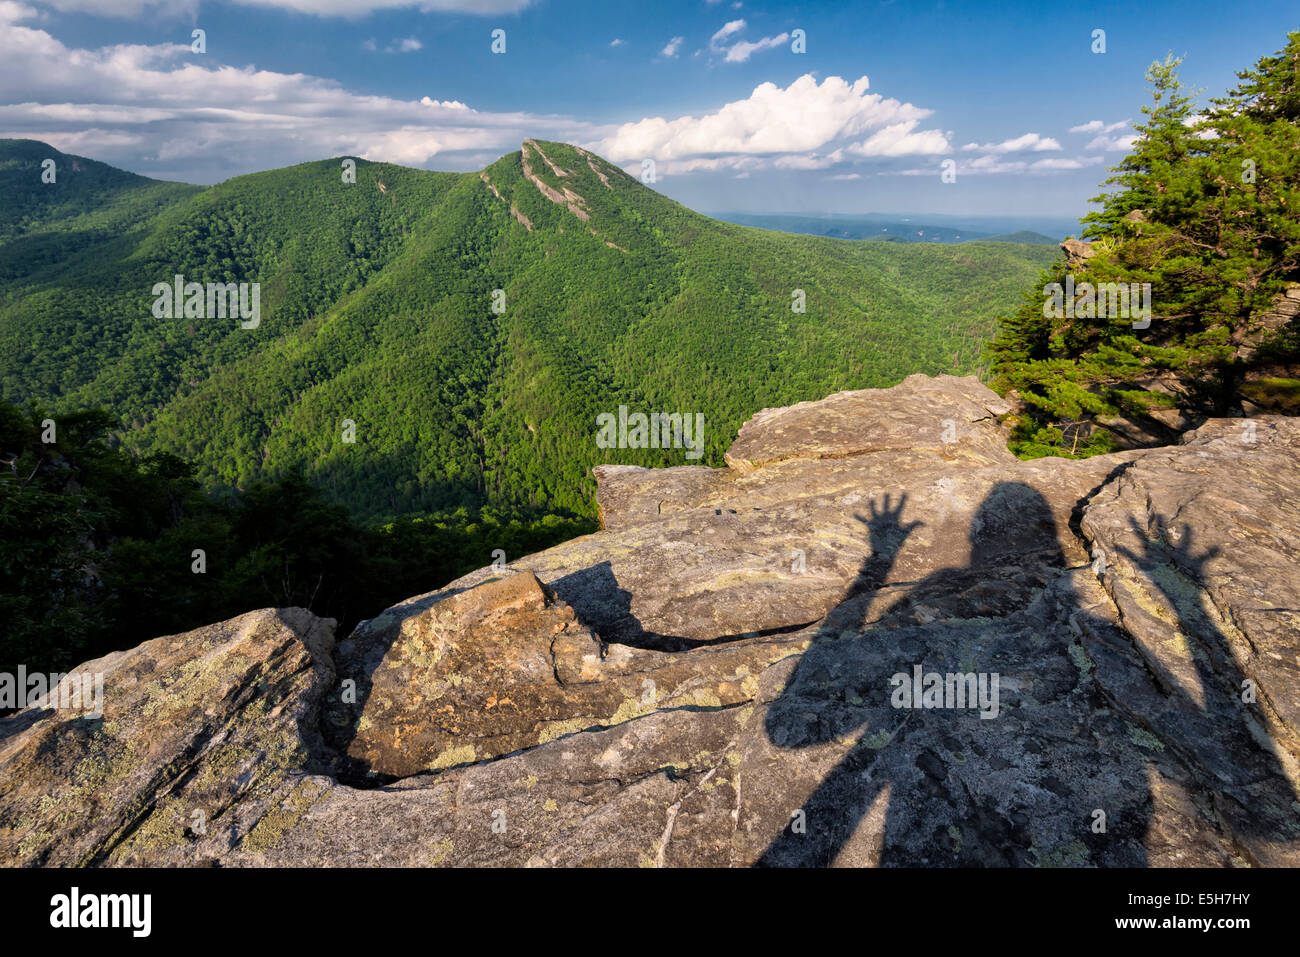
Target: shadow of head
1014,524
835,683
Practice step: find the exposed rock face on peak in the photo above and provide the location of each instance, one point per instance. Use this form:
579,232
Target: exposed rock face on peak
563,196
874,638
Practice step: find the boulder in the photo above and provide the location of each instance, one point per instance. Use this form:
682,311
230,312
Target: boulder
1077,252
952,418
1202,565
1105,655
505,666
193,725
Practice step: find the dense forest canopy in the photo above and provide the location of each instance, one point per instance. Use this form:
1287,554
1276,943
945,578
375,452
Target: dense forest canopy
376,309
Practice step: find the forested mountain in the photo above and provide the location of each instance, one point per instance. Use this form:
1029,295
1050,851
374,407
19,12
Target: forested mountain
377,309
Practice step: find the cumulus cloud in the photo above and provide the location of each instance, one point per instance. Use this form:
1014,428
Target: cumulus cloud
901,139
670,49
618,42
802,118
160,110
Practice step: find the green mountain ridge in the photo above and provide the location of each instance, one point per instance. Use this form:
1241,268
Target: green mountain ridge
377,310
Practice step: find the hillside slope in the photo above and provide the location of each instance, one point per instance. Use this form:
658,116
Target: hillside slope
377,310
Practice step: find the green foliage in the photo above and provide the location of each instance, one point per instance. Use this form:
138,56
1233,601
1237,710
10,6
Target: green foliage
97,545
375,309
1206,212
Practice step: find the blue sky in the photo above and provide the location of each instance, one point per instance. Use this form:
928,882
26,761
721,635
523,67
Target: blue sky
1010,93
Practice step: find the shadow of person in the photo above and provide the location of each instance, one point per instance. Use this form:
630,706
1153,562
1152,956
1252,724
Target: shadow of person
1003,774
1206,709
839,802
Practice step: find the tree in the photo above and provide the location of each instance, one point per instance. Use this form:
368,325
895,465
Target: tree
1205,213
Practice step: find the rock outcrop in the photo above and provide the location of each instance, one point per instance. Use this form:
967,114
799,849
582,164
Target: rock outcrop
724,675
1077,252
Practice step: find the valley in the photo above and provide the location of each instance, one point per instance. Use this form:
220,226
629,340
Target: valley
377,306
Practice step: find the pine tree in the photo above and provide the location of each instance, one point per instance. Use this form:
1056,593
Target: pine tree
1206,212
1158,161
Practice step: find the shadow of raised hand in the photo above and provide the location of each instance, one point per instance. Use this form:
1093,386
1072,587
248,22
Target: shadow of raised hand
1211,724
884,525
886,534
1181,553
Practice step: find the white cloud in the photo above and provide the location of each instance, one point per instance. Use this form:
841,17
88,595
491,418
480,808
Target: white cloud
1112,144
1029,142
671,48
618,42
399,45
1097,126
1060,162
898,139
1104,142
992,165
126,9
164,112
699,164
444,104
353,9
729,28
802,118
350,9
740,52
808,160
845,176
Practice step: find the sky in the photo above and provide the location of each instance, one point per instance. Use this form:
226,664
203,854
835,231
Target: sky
851,107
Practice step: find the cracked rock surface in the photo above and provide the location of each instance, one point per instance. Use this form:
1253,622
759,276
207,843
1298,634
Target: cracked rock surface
1105,656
